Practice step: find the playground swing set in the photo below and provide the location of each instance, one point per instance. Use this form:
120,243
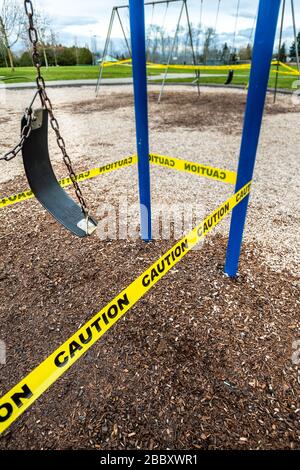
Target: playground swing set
34,146
34,134
115,14
76,218
278,67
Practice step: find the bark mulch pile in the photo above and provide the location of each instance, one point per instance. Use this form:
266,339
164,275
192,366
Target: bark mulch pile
220,110
201,362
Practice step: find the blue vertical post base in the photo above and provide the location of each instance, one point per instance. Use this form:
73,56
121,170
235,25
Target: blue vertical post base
239,214
138,47
262,55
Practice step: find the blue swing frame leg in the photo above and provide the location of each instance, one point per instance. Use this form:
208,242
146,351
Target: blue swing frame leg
262,55
138,45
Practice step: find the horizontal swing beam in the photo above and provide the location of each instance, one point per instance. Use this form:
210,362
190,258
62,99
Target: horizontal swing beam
159,2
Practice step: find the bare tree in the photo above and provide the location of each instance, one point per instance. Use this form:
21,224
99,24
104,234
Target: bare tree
10,26
43,23
53,43
163,42
209,34
197,31
245,53
154,43
3,52
43,26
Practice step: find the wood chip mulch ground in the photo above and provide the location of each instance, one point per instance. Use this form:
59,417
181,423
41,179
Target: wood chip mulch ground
201,362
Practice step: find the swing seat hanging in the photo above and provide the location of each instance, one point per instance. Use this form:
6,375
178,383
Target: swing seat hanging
43,182
229,77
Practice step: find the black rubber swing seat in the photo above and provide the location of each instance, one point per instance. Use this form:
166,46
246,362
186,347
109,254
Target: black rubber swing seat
229,77
43,182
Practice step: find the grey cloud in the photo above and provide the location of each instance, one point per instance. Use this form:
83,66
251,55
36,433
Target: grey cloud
247,14
243,36
63,21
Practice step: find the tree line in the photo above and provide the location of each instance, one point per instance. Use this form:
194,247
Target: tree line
206,47
57,55
284,53
14,28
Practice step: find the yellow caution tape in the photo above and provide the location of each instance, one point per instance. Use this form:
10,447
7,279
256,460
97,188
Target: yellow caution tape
118,62
288,67
201,170
150,65
200,67
290,70
281,72
19,398
85,175
182,66
194,168
235,67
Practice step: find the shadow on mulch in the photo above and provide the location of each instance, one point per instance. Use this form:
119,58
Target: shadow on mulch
221,110
201,361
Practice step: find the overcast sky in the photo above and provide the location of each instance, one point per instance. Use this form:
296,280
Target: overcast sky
85,18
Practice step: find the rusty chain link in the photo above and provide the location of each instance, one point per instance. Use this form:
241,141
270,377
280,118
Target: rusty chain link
33,37
41,90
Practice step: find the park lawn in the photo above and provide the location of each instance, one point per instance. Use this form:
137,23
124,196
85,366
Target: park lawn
27,74
22,74
242,79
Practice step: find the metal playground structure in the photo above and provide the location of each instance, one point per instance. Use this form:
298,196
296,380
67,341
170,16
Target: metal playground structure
115,14
196,67
183,11
76,218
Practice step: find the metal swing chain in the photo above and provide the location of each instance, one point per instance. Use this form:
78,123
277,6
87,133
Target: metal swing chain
25,133
26,130
33,37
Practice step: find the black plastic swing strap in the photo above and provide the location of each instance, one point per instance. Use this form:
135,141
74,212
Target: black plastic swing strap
43,182
229,77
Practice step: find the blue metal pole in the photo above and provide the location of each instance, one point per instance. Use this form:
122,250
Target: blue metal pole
138,46
262,55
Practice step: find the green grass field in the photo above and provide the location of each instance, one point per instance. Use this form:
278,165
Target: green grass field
241,77
27,74
284,82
